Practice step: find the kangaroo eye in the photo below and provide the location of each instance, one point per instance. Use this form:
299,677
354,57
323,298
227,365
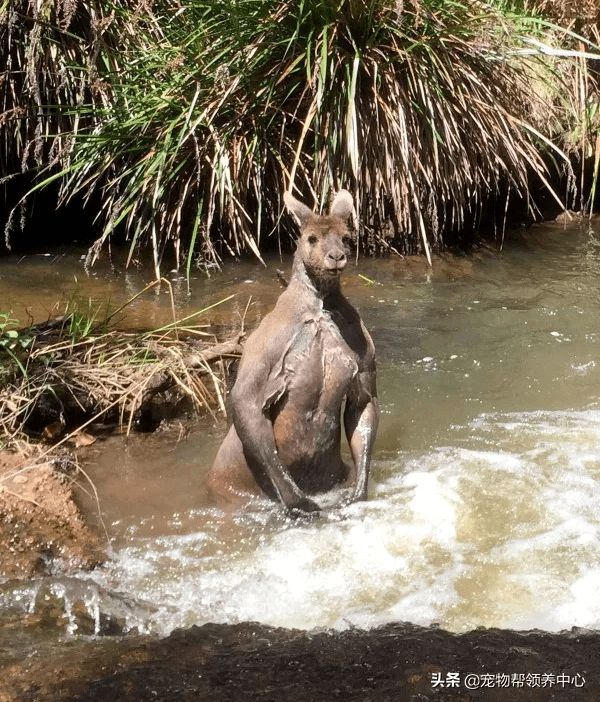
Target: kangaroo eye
346,240
312,239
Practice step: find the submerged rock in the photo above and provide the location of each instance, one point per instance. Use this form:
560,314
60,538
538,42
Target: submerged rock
63,605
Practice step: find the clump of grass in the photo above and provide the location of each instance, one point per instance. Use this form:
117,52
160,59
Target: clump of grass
210,110
49,51
63,381
578,24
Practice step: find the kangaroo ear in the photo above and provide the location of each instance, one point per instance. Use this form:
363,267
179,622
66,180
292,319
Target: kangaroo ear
342,205
300,211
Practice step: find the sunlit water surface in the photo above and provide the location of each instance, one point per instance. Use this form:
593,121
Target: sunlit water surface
484,504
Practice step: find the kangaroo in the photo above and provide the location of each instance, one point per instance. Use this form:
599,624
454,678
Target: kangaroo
307,357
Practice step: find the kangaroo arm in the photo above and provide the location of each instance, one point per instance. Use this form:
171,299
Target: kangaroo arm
255,430
361,418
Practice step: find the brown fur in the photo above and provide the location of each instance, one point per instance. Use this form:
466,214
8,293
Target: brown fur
309,356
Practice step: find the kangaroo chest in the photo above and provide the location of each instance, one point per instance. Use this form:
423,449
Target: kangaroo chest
320,364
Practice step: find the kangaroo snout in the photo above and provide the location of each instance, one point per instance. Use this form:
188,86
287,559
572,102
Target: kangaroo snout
335,260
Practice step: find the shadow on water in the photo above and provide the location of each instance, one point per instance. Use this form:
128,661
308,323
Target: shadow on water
483,505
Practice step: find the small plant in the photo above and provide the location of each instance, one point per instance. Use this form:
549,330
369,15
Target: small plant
14,345
10,337
83,319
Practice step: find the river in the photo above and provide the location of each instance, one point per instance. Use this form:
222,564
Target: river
484,504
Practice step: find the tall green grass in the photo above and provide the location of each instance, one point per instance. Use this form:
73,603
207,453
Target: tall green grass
190,119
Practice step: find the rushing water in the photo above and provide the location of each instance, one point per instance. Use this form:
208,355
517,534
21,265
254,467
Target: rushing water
484,505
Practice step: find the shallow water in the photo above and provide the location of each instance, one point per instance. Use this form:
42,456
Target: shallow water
483,506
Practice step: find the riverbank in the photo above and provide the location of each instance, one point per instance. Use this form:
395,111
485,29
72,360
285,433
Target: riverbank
42,529
66,382
75,372
467,109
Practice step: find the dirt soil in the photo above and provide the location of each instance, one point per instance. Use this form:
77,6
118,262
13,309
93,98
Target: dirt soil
42,530
250,662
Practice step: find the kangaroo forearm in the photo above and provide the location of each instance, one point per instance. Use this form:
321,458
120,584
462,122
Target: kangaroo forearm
267,466
361,428
263,459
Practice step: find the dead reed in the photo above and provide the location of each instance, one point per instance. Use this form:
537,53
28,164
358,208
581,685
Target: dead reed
54,384
579,130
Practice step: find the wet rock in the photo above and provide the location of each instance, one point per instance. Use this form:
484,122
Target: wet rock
567,216
255,663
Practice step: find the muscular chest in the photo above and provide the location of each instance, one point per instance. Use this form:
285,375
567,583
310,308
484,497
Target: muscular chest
320,364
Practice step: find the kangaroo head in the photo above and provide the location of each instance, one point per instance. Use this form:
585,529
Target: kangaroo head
323,242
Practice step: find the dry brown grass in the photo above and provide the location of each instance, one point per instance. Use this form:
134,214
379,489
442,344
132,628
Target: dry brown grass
53,384
188,122
580,16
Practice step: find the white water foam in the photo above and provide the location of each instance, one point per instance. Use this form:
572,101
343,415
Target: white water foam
500,529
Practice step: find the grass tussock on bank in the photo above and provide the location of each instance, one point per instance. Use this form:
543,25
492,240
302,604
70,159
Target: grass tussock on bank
71,375
579,100
187,122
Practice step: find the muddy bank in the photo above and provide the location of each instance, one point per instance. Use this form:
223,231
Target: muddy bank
42,530
398,662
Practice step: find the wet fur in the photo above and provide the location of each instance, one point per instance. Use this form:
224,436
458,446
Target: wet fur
310,357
